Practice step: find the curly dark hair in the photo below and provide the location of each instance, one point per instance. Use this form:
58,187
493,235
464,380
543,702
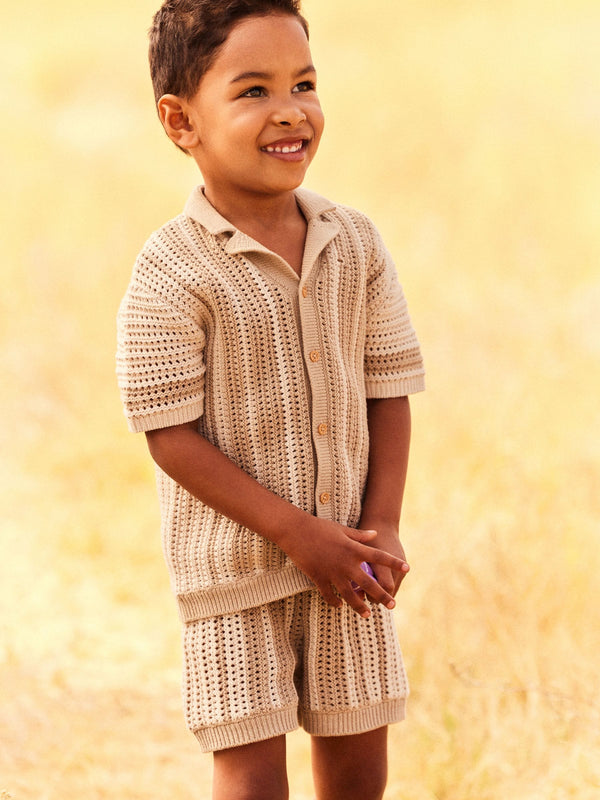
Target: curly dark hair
186,35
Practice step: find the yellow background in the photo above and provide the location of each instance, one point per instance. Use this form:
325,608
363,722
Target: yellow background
470,132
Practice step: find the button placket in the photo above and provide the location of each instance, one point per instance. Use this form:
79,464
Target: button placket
316,364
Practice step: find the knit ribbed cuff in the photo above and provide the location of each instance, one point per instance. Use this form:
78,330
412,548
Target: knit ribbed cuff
266,587
378,389
164,419
356,720
266,726
252,729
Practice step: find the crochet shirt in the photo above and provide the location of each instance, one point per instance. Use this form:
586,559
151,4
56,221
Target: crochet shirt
276,368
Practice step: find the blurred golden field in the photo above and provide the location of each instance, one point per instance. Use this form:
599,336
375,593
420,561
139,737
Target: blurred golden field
470,132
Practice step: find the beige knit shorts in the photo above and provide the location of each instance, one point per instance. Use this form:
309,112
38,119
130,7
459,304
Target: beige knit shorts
264,671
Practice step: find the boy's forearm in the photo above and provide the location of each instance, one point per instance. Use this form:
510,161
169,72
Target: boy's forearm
389,441
329,553
204,471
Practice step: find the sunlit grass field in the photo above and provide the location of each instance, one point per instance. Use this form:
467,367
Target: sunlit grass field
470,132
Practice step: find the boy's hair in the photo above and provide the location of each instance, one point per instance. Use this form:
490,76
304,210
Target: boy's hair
186,35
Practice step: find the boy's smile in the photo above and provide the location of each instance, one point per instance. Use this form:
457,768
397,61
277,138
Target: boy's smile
293,151
255,122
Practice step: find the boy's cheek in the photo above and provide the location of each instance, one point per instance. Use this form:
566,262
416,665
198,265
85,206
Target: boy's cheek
317,118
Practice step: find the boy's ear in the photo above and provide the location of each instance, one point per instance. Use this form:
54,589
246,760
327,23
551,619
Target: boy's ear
173,114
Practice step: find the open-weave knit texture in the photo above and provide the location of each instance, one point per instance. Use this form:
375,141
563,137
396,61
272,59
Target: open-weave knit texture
277,370
260,672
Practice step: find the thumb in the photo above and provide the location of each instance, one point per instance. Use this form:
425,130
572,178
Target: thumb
361,536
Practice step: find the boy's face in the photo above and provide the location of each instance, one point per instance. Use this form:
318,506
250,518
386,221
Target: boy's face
255,121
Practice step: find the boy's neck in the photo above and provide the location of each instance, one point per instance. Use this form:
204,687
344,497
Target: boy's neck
256,213
275,222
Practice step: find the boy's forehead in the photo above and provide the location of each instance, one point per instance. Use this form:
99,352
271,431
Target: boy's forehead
258,42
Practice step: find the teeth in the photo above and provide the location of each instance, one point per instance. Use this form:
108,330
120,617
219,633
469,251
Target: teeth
293,148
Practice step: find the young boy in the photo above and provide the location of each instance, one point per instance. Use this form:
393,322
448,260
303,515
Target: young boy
266,351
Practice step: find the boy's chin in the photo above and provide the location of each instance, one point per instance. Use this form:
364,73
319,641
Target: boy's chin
290,183
279,188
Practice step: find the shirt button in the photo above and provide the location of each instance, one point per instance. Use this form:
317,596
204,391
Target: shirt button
315,356
322,429
324,498
304,291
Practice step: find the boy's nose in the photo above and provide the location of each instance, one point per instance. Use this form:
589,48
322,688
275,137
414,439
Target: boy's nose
289,116
295,123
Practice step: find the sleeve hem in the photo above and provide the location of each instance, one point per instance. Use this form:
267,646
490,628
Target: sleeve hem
378,389
165,419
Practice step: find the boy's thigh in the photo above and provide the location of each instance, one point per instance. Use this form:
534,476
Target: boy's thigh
350,766
253,770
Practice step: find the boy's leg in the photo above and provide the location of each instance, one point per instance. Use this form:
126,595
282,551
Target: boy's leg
254,771
350,767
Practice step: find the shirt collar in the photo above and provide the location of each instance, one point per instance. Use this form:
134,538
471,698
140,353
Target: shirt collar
322,229
200,210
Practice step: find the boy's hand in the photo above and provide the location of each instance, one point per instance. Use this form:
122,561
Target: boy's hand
387,540
331,555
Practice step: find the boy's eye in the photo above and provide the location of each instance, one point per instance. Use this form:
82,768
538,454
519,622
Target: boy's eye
255,91
305,86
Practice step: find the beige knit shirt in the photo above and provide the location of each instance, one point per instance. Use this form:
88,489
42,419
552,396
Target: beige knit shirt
277,369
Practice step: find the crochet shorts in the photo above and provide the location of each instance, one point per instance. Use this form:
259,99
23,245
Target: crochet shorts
264,671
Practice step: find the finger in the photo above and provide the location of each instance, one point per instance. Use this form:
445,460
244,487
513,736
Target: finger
328,594
394,563
375,591
400,577
390,580
356,600
358,535
387,579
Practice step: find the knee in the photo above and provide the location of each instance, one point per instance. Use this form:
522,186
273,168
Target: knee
368,784
363,781
266,790
252,786
351,767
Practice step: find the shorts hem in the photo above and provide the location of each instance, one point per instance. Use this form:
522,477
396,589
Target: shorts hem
356,720
256,728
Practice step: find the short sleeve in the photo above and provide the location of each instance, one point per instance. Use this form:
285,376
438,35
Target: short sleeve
160,360
393,361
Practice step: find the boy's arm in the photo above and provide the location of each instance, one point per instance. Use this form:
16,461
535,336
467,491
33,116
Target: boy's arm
389,439
329,553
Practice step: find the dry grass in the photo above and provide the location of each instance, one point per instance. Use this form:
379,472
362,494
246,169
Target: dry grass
470,132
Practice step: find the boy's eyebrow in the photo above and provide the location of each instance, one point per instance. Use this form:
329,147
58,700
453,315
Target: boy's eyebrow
263,76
